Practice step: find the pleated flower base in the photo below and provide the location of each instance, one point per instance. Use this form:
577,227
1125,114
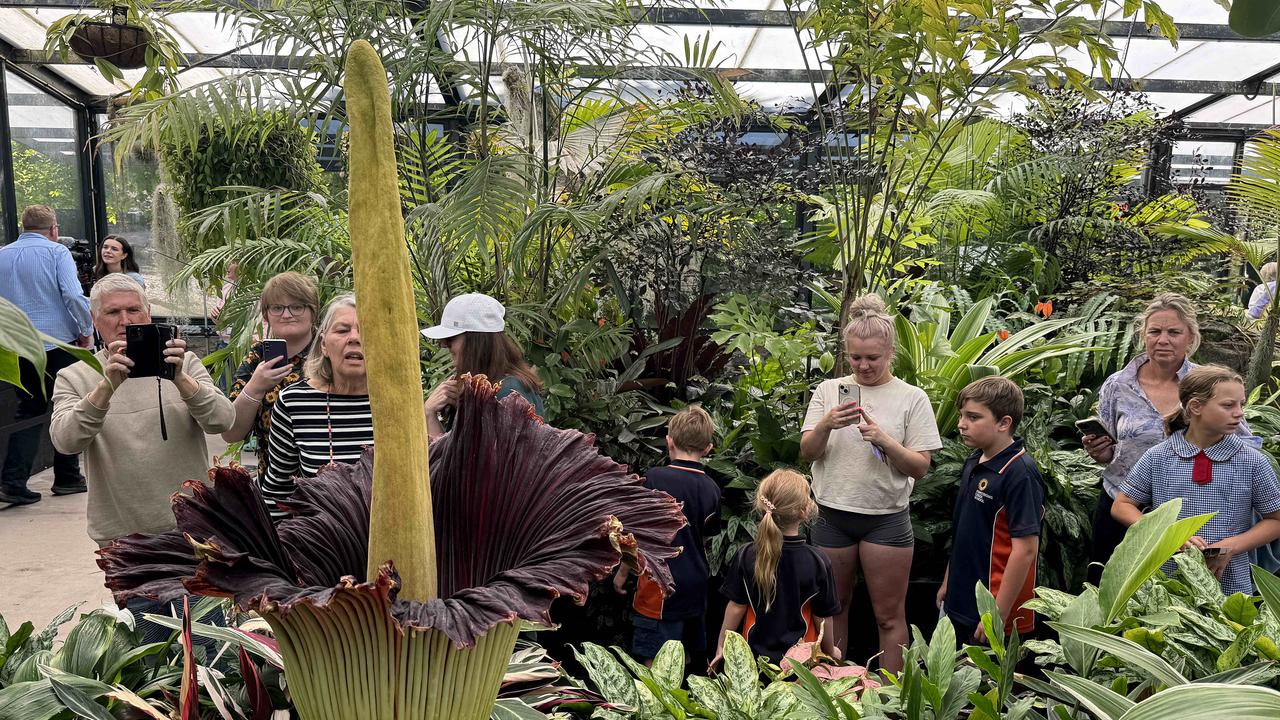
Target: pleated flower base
351,659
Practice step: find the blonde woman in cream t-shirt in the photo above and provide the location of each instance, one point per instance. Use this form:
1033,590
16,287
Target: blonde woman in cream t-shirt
866,457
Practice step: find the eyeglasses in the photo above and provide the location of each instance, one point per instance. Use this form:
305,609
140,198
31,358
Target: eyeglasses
278,310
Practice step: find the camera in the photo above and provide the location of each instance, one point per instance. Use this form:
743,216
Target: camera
145,345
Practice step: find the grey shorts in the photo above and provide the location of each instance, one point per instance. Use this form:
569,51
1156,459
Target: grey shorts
841,528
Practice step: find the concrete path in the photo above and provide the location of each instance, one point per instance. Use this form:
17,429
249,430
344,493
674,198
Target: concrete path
47,560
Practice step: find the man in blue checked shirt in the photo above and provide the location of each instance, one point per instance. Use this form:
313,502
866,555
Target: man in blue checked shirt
39,277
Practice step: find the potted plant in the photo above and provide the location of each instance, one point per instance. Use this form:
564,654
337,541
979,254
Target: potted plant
126,34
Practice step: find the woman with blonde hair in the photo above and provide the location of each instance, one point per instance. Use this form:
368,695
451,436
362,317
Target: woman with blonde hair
780,588
326,418
1133,404
1213,471
870,436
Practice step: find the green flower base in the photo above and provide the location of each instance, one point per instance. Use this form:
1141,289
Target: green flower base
351,659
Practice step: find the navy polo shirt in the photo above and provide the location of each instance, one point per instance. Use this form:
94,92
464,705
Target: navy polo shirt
699,498
804,590
1000,499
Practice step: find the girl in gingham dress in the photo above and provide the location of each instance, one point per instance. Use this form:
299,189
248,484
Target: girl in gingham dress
1213,471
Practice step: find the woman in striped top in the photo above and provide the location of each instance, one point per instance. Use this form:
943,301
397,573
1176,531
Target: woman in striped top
326,418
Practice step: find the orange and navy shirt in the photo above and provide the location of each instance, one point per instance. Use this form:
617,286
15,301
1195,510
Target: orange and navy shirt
804,590
699,497
1000,499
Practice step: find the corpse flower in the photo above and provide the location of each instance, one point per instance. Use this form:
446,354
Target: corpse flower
524,513
372,621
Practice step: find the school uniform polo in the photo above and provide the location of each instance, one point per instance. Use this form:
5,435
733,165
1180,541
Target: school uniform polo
804,590
1000,499
1235,481
699,498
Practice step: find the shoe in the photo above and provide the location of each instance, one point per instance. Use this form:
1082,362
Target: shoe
18,497
70,489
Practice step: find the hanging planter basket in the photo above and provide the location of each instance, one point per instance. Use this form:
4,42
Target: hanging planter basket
124,46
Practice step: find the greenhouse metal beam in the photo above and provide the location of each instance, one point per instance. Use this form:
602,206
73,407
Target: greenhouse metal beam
1257,80
755,18
651,72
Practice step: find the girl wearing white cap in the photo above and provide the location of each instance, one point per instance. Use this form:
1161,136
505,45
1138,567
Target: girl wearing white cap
472,328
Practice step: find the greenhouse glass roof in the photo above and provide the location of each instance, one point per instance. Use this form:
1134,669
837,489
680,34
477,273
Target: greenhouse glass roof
1212,77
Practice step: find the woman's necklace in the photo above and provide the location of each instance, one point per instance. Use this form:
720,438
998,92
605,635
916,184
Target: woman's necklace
328,417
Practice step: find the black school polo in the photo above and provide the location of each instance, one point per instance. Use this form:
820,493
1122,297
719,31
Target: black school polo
1000,499
804,591
699,497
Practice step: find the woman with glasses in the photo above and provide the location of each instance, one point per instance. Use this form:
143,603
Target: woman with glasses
289,306
472,328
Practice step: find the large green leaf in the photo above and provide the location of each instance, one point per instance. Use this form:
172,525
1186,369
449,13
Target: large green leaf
1146,546
1255,18
1083,611
1209,702
1129,652
1101,701
1268,587
85,645
19,338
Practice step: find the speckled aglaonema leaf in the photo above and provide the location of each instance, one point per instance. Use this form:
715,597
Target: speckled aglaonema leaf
524,513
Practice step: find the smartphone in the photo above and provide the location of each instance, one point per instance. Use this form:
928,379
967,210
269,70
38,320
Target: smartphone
850,394
1092,426
275,348
145,345
1213,552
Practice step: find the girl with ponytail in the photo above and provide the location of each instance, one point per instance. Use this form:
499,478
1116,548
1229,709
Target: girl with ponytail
780,588
1213,470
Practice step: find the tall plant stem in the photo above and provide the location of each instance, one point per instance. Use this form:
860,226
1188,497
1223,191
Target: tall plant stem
401,525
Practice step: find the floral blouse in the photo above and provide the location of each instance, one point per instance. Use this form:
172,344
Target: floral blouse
1136,424
262,424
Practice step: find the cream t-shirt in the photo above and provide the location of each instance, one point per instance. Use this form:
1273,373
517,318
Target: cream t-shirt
849,477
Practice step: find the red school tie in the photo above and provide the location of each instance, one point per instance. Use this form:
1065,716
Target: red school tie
1202,470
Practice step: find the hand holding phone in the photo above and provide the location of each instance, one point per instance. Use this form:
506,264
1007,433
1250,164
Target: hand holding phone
145,344
1093,426
275,348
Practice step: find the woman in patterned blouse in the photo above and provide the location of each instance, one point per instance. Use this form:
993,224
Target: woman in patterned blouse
289,306
1133,404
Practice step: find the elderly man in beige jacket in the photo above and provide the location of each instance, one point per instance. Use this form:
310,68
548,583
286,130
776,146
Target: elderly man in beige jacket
115,421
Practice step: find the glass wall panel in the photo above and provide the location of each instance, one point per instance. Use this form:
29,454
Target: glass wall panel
129,194
46,165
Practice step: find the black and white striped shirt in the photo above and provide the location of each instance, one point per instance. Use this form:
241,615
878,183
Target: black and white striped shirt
310,429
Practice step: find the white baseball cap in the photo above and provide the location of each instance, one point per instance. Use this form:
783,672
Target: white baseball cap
473,312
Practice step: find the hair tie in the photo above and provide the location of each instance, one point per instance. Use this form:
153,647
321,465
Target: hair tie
768,506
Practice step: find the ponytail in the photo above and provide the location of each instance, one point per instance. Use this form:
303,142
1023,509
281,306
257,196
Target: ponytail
782,499
768,553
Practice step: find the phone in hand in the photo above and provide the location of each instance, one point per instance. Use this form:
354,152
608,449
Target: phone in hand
144,345
275,348
1093,426
1213,552
849,393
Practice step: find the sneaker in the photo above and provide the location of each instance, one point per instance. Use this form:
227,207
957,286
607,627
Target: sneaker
70,489
14,496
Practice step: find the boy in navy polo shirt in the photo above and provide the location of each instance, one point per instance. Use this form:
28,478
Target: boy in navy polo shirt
997,515
680,616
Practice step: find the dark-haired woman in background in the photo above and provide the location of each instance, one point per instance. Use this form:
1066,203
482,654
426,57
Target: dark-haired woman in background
115,255
473,328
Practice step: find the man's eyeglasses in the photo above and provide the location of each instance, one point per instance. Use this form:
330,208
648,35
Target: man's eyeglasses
279,310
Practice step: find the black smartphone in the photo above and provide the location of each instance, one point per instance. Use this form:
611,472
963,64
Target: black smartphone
1213,552
144,345
275,348
1092,426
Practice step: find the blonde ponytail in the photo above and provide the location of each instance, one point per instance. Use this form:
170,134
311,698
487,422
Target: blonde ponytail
782,499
